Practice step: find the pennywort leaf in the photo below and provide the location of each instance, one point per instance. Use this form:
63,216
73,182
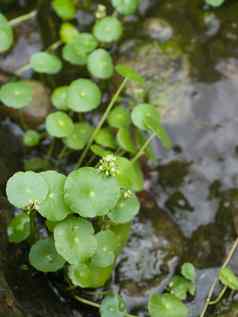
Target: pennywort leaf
16,94
44,257
19,228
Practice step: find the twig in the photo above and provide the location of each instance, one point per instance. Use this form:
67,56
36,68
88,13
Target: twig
227,260
23,18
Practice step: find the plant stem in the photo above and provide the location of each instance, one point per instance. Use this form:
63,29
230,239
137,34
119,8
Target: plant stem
62,152
22,69
54,46
104,117
23,18
50,150
227,260
90,303
86,301
143,148
219,297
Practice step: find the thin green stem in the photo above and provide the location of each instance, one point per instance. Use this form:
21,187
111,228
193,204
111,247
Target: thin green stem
219,297
54,46
50,150
143,148
22,69
22,120
62,153
227,260
23,18
86,301
101,122
90,303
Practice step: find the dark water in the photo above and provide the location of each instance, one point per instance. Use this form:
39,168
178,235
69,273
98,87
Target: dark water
196,183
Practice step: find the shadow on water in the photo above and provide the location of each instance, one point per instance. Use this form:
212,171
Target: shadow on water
188,54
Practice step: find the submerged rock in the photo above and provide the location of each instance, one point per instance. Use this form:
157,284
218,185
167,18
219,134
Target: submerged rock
157,29
153,252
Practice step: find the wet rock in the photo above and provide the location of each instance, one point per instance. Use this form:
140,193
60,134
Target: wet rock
153,252
9,306
157,29
10,152
206,248
27,41
36,113
166,71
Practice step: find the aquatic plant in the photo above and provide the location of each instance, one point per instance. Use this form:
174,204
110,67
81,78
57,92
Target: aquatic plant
86,214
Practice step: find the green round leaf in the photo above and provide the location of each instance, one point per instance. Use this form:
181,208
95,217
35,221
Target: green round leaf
125,210
106,247
113,305
100,64
126,7
19,228
99,151
87,275
153,123
26,188
124,139
44,257
166,305
215,3
59,98
189,272
74,240
53,206
68,32
16,94
141,112
89,193
179,287
31,138
84,95
47,63
80,136
129,73
59,124
228,278
65,9
76,51
108,29
74,56
119,117
106,138
129,175
85,42
6,34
